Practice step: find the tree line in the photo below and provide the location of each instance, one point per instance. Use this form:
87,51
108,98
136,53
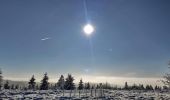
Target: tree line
68,84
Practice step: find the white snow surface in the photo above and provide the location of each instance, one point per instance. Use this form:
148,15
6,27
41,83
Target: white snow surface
97,94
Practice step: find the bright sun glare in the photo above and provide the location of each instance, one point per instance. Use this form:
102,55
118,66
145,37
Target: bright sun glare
88,29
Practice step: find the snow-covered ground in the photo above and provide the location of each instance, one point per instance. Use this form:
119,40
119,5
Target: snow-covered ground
84,94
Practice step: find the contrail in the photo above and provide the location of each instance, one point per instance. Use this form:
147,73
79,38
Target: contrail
86,11
47,38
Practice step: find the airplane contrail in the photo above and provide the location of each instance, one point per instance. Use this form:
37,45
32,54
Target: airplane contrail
47,38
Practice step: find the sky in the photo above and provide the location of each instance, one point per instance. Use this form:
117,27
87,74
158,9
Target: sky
131,38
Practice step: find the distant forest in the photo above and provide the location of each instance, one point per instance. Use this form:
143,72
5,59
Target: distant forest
68,84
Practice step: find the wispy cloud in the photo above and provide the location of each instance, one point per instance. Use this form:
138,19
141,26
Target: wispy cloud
46,38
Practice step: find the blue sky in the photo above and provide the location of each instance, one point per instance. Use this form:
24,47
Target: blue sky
131,38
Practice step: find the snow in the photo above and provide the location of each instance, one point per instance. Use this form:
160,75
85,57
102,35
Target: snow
84,94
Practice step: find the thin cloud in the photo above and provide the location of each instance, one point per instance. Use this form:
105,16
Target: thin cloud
47,38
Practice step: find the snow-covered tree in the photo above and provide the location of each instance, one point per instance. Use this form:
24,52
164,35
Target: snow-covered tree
80,86
69,83
60,83
32,83
44,82
166,80
166,77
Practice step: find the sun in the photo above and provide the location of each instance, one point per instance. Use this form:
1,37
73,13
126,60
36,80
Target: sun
88,29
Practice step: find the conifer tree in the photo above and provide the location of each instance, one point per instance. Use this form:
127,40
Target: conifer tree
17,86
151,88
141,87
6,85
92,87
166,77
32,83
97,87
87,85
69,83
106,86
157,88
100,85
12,86
1,79
147,87
60,83
80,86
126,87
44,83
